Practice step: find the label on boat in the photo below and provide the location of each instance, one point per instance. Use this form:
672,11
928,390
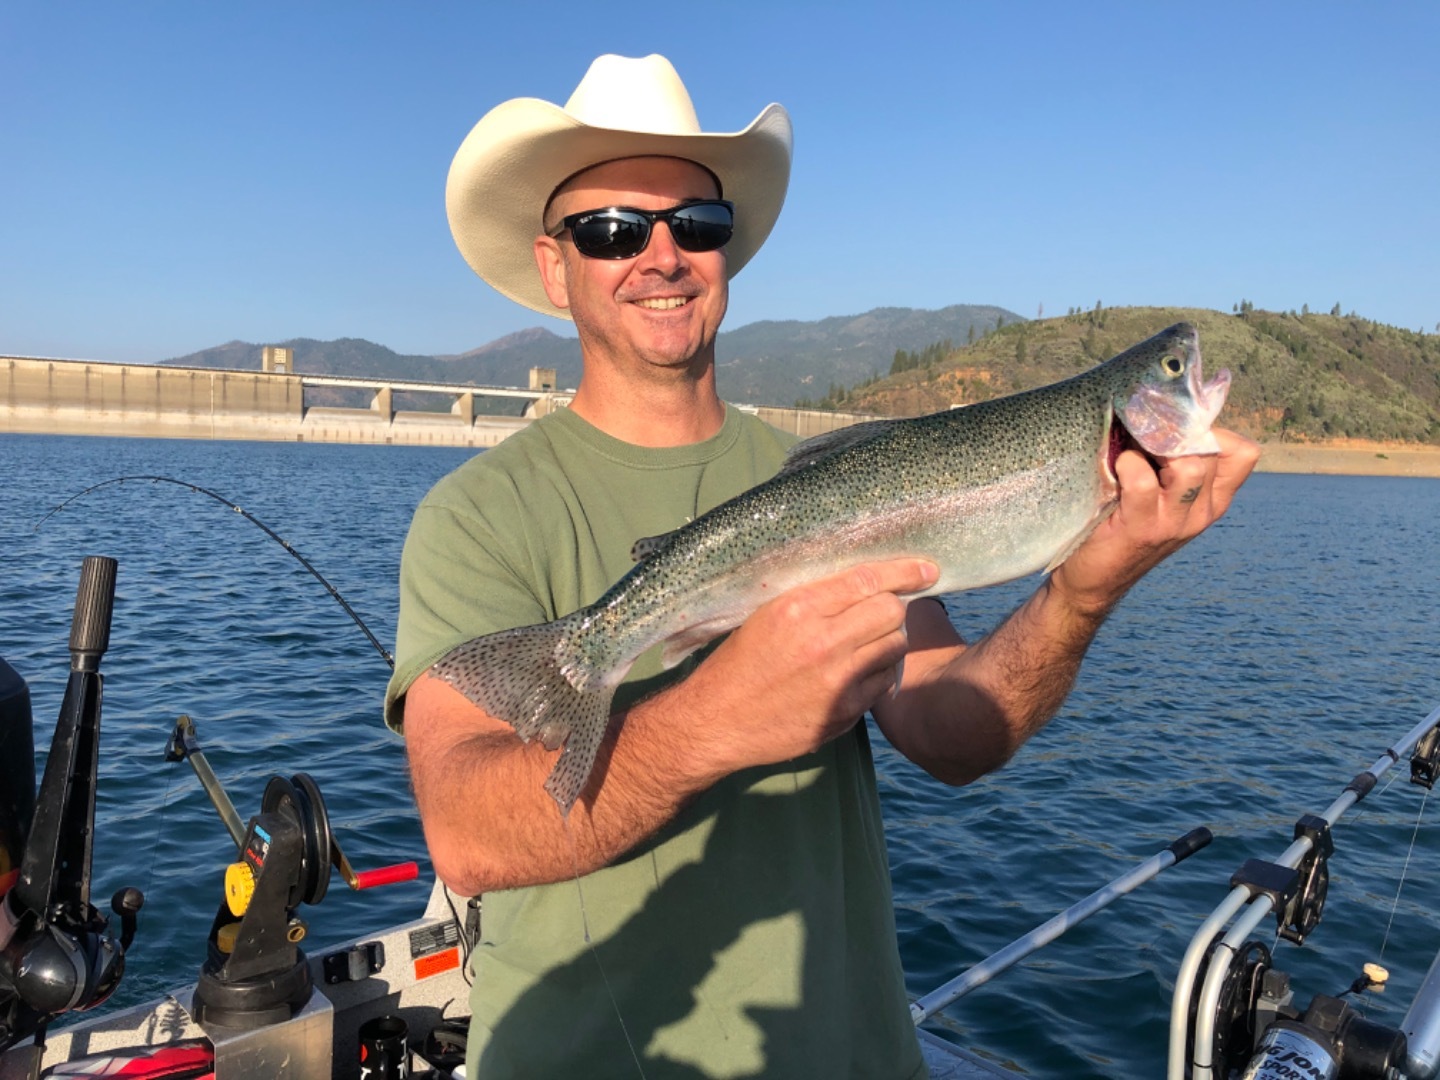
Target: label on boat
435,949
1286,1054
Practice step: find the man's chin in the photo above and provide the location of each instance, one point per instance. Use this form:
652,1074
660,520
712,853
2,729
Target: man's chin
676,360
672,350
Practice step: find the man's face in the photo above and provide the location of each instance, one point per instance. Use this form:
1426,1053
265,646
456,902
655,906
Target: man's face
657,313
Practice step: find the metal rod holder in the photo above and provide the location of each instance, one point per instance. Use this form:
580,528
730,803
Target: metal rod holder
185,746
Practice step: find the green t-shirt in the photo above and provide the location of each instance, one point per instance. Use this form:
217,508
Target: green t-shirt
755,935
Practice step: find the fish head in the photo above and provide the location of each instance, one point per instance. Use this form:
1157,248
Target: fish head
1161,397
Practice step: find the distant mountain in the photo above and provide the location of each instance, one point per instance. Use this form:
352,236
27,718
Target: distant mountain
1306,377
345,356
764,363
507,361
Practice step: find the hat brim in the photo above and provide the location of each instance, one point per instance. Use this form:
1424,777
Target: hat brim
521,151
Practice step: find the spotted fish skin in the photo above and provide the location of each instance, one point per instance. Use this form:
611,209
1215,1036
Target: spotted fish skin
989,492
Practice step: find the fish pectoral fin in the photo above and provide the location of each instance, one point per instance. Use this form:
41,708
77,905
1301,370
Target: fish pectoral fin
681,645
1081,536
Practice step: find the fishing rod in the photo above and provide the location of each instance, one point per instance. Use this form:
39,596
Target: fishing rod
334,592
1231,1003
981,973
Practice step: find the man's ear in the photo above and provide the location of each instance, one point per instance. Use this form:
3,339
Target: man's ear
551,261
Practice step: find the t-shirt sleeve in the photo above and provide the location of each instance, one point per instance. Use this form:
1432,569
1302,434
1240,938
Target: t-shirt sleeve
460,577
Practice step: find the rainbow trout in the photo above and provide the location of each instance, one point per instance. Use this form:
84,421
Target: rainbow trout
989,492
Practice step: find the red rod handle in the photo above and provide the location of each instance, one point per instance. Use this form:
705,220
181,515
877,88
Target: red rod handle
386,875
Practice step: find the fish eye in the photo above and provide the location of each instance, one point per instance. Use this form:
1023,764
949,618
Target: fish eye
1174,365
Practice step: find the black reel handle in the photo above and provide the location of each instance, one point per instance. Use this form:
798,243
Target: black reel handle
94,604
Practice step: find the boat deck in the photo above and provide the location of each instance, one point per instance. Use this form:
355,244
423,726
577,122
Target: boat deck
950,1062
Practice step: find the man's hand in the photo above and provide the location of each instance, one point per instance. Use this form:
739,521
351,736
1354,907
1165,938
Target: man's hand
1160,511
803,667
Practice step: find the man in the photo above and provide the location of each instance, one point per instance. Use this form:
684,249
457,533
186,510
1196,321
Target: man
726,858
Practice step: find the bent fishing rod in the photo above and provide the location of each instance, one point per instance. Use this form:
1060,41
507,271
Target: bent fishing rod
334,592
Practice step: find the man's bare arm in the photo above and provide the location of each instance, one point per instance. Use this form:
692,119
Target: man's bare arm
793,677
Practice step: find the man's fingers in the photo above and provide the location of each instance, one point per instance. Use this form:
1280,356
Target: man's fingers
1136,475
1171,496
1238,457
844,590
1186,484
1207,484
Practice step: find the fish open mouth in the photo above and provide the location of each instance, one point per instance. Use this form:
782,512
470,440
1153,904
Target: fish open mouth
1120,441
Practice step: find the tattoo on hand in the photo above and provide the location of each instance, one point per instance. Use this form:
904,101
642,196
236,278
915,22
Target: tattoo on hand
1191,495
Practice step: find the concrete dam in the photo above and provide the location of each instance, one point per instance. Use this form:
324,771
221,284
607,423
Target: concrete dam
87,397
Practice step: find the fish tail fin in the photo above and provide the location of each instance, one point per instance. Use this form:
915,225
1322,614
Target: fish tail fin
526,677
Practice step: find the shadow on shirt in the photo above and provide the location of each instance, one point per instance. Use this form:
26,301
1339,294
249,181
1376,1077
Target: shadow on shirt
767,949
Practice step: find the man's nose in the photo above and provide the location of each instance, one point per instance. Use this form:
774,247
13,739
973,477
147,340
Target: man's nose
662,253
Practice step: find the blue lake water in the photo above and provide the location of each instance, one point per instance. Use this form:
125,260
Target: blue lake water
1240,685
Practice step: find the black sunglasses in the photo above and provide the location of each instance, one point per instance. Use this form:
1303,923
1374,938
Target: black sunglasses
622,232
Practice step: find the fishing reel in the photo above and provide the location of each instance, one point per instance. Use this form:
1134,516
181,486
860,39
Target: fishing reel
1297,894
1425,761
254,972
1256,1027
56,954
1329,1040
1239,1013
1260,1035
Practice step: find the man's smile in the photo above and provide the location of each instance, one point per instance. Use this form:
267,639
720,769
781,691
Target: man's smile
663,303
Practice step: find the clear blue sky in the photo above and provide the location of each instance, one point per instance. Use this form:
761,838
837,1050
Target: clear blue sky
174,176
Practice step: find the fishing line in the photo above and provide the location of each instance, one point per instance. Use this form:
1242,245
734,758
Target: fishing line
160,827
334,592
1403,870
590,944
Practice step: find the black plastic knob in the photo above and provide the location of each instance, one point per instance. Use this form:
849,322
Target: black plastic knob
94,603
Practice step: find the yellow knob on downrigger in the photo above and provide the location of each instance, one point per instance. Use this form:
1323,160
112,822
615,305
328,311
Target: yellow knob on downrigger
239,887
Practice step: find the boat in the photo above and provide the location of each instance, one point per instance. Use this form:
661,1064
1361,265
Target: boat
393,1003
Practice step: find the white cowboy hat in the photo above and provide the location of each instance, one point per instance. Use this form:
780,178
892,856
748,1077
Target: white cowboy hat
522,150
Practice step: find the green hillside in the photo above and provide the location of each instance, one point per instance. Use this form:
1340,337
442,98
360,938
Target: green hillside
1303,377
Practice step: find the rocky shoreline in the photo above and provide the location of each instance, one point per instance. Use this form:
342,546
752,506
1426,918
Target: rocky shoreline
1351,458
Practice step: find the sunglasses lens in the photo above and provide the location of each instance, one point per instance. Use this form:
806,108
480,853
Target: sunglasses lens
614,234
623,234
703,227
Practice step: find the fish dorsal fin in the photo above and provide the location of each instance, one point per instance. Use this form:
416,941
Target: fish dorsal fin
832,442
646,546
